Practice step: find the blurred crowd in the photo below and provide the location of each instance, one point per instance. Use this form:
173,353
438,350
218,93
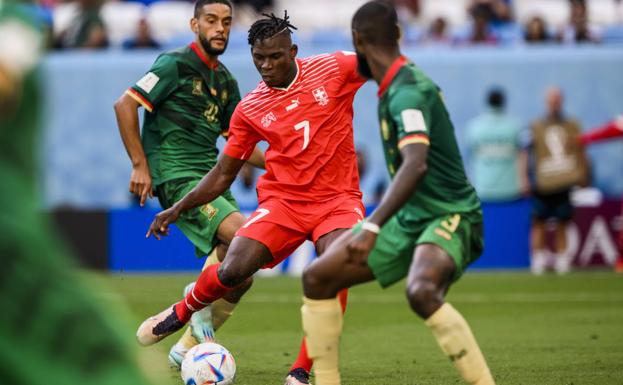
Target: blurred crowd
157,23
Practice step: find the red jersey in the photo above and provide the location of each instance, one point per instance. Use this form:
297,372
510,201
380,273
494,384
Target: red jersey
309,130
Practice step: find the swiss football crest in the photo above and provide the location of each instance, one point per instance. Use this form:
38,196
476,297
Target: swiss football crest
321,96
268,119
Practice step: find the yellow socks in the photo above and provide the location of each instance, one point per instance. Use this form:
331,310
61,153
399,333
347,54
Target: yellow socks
187,340
221,311
322,323
456,340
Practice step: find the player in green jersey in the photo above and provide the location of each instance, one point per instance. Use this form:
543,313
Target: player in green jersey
51,329
188,97
428,227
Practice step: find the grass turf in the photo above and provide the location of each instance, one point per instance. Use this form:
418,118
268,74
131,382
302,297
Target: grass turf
546,330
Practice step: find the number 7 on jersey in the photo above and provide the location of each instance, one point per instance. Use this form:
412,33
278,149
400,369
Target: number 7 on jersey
305,126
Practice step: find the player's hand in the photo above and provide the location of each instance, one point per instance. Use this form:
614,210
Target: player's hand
140,182
360,246
160,224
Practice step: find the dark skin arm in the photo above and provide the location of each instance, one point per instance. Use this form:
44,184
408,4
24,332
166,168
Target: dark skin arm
126,111
209,188
411,171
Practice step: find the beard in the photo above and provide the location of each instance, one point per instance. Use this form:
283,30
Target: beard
362,66
207,46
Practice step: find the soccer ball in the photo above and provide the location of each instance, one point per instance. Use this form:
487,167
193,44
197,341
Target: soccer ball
208,363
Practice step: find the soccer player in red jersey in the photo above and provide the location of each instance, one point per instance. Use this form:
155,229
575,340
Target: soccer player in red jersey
303,109
610,130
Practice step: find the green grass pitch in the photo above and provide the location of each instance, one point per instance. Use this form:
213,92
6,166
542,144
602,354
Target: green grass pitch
546,330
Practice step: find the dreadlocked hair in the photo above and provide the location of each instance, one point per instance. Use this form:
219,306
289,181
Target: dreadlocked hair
269,27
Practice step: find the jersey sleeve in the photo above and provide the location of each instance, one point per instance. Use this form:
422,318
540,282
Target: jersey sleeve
347,62
234,98
410,111
158,83
242,137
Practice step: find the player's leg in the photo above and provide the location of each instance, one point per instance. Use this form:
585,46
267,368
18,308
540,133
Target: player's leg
539,254
210,228
563,212
322,315
244,257
338,216
444,250
223,308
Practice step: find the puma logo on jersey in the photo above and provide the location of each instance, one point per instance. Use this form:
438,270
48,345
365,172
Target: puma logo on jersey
268,119
295,103
321,96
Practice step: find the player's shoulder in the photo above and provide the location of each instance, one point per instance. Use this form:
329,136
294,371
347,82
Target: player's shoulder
259,95
411,81
324,58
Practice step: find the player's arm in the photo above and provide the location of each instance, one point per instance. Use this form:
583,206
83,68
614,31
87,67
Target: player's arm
152,89
410,112
213,184
410,172
257,158
126,111
613,129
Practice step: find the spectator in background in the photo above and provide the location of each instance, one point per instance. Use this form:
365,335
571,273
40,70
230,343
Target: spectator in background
495,153
143,38
437,32
578,30
559,164
497,11
87,30
480,32
536,31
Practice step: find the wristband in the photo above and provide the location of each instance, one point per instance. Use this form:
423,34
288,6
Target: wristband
371,227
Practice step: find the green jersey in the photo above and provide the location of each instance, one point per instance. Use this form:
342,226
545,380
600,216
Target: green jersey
411,110
51,331
188,104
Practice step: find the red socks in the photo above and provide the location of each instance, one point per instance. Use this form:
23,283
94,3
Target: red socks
303,360
208,289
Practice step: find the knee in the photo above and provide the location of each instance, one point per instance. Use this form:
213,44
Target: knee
424,297
316,284
232,275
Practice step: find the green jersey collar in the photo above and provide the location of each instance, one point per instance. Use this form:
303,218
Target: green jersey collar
391,73
204,59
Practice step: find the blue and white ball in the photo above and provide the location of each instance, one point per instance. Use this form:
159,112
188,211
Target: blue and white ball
208,363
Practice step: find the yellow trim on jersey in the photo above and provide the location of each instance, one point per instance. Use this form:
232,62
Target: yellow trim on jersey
411,139
136,96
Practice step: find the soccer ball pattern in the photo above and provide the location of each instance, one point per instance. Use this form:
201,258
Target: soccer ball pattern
208,364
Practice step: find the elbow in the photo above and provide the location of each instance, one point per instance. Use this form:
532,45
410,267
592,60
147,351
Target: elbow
118,105
420,169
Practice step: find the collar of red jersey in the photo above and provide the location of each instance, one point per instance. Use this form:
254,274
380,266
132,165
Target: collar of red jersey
298,72
203,58
391,72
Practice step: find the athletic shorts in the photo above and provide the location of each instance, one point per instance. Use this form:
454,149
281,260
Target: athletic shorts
200,224
282,226
556,205
391,257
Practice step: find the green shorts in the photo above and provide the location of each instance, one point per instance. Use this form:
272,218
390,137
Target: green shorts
200,224
392,254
